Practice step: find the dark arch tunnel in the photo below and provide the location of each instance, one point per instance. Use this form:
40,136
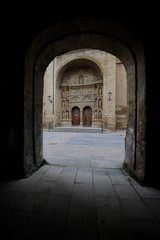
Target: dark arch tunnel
73,42
37,58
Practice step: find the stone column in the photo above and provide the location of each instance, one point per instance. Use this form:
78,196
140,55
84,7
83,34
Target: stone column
57,100
109,85
81,118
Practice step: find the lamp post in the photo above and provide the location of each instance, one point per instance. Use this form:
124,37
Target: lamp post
109,95
49,98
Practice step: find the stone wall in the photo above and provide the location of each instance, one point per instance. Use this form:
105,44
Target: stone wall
121,96
48,90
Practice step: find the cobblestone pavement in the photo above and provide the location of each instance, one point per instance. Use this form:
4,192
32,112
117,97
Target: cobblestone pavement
69,201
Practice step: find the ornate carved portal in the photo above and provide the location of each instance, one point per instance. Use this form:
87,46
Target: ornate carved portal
82,98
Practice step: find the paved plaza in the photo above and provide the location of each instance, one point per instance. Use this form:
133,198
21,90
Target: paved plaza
82,193
84,149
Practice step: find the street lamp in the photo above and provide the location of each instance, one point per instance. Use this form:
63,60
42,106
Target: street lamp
49,98
109,94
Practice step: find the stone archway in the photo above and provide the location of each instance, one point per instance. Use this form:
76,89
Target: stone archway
103,35
77,83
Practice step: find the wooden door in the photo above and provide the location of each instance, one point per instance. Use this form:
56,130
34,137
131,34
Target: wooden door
87,117
75,116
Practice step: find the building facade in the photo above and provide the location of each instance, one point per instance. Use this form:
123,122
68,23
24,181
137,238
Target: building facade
85,88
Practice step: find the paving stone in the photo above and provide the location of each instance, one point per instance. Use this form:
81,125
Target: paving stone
145,192
83,191
65,182
154,206
44,187
31,183
52,220
105,164
117,177
68,162
52,174
81,220
103,185
126,191
32,203
136,209
84,175
80,197
101,140
100,171
22,185
112,223
96,150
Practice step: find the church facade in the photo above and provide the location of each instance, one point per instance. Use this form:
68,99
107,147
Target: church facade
85,88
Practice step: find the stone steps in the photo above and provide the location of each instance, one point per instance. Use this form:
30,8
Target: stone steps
78,130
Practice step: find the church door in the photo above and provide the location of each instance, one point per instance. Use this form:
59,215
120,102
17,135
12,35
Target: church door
75,116
87,117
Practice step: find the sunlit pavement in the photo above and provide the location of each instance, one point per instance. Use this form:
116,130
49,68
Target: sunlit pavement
85,149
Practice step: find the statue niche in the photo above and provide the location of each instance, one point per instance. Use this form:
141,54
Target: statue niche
95,114
99,115
63,115
81,79
63,104
63,93
100,103
100,91
67,115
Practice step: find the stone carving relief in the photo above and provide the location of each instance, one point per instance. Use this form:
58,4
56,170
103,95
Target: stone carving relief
100,103
81,79
67,114
63,104
63,93
86,98
99,115
100,91
76,77
95,91
67,95
67,104
82,88
63,115
75,99
87,90
75,91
